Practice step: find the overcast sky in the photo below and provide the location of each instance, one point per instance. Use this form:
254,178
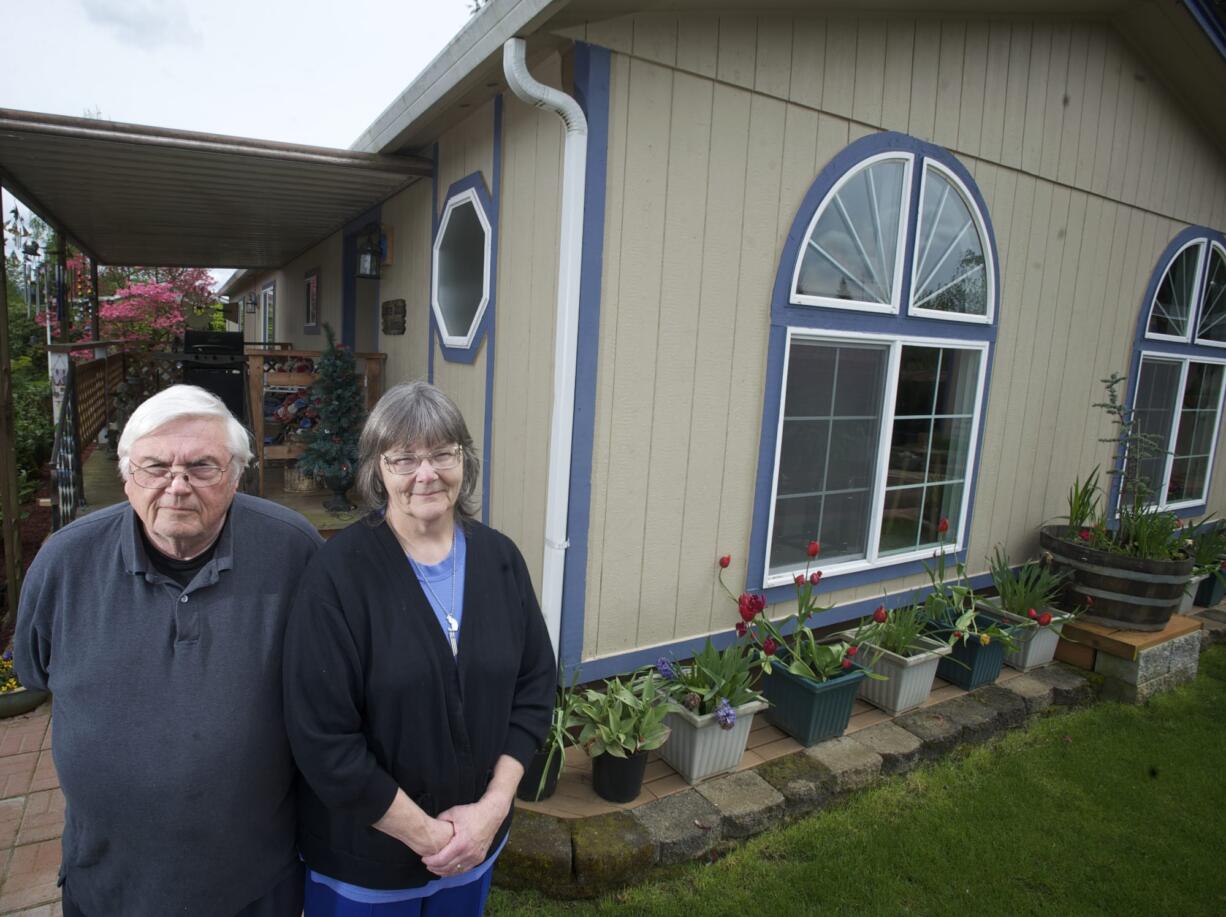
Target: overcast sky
310,71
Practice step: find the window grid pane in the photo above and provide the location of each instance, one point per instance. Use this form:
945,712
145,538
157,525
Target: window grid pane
950,268
1173,302
1193,440
929,452
827,463
1213,311
852,251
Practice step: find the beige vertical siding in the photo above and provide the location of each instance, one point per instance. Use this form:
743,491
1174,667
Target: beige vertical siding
718,126
408,278
527,295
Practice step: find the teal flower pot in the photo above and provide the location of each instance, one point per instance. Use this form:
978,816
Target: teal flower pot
972,664
810,711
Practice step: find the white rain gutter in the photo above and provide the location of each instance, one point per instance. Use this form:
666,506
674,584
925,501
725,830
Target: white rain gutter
566,331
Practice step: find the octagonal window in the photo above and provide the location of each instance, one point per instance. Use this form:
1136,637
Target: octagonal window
461,285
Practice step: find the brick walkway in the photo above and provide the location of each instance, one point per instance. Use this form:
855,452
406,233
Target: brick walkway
31,817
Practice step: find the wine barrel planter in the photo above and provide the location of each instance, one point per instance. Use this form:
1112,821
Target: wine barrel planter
1128,592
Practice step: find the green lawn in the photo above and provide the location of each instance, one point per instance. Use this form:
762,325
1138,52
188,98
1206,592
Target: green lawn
1109,810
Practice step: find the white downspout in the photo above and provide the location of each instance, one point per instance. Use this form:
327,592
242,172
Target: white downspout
566,332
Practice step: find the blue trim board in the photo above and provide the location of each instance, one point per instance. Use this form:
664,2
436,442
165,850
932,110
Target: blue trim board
1139,343
785,314
591,74
496,195
349,270
430,275
608,666
1210,22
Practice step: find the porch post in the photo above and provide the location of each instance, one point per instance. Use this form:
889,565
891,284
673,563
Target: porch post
94,319
11,531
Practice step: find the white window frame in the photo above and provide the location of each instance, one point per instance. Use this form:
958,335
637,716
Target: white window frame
980,227
1184,360
462,341
855,305
1194,306
1204,292
873,560
268,312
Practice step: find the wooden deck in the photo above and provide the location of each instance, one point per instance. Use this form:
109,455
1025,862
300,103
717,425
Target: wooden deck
103,487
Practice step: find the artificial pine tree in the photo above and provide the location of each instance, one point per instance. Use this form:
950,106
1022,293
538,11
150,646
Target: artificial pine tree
332,453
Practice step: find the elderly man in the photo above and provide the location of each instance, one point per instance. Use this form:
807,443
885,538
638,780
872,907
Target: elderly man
157,626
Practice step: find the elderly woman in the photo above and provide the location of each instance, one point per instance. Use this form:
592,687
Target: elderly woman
419,679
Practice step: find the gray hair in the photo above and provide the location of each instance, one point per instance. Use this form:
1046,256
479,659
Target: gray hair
176,403
415,413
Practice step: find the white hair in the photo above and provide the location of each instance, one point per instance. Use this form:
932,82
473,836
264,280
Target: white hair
176,403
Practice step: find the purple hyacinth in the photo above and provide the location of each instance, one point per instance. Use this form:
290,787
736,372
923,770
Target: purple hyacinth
724,714
8,656
665,668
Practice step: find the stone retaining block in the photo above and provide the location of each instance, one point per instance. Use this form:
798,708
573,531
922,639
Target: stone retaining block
609,850
1070,687
747,804
978,721
538,851
1033,692
1010,709
850,764
938,734
899,750
684,826
804,785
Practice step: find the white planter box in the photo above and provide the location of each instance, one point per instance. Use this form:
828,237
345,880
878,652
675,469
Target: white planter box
908,678
698,748
1189,594
1036,645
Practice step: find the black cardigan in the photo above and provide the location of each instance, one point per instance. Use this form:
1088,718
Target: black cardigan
374,699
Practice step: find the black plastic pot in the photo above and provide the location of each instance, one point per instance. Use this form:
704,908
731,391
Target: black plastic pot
619,779
531,780
1210,591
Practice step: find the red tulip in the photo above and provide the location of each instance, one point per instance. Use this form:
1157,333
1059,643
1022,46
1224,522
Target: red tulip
943,525
1089,601
847,663
1084,534
725,561
1044,619
769,646
800,579
852,650
1032,614
815,577
741,628
880,615
957,635
814,548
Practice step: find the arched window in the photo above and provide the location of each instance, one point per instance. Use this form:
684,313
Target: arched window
1179,370
883,319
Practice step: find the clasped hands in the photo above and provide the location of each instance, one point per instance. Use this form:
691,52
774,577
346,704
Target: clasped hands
460,837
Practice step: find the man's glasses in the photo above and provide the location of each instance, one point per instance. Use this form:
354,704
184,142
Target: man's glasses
155,477
409,462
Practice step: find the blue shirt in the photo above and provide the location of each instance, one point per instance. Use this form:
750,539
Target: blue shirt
437,581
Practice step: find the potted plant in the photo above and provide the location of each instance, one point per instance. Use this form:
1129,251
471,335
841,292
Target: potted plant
897,649
953,614
1025,599
540,779
1129,572
1208,549
619,726
810,684
15,698
713,706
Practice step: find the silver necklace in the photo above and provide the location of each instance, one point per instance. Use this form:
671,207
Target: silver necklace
453,626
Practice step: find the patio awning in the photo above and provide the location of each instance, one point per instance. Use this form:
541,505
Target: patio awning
130,194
